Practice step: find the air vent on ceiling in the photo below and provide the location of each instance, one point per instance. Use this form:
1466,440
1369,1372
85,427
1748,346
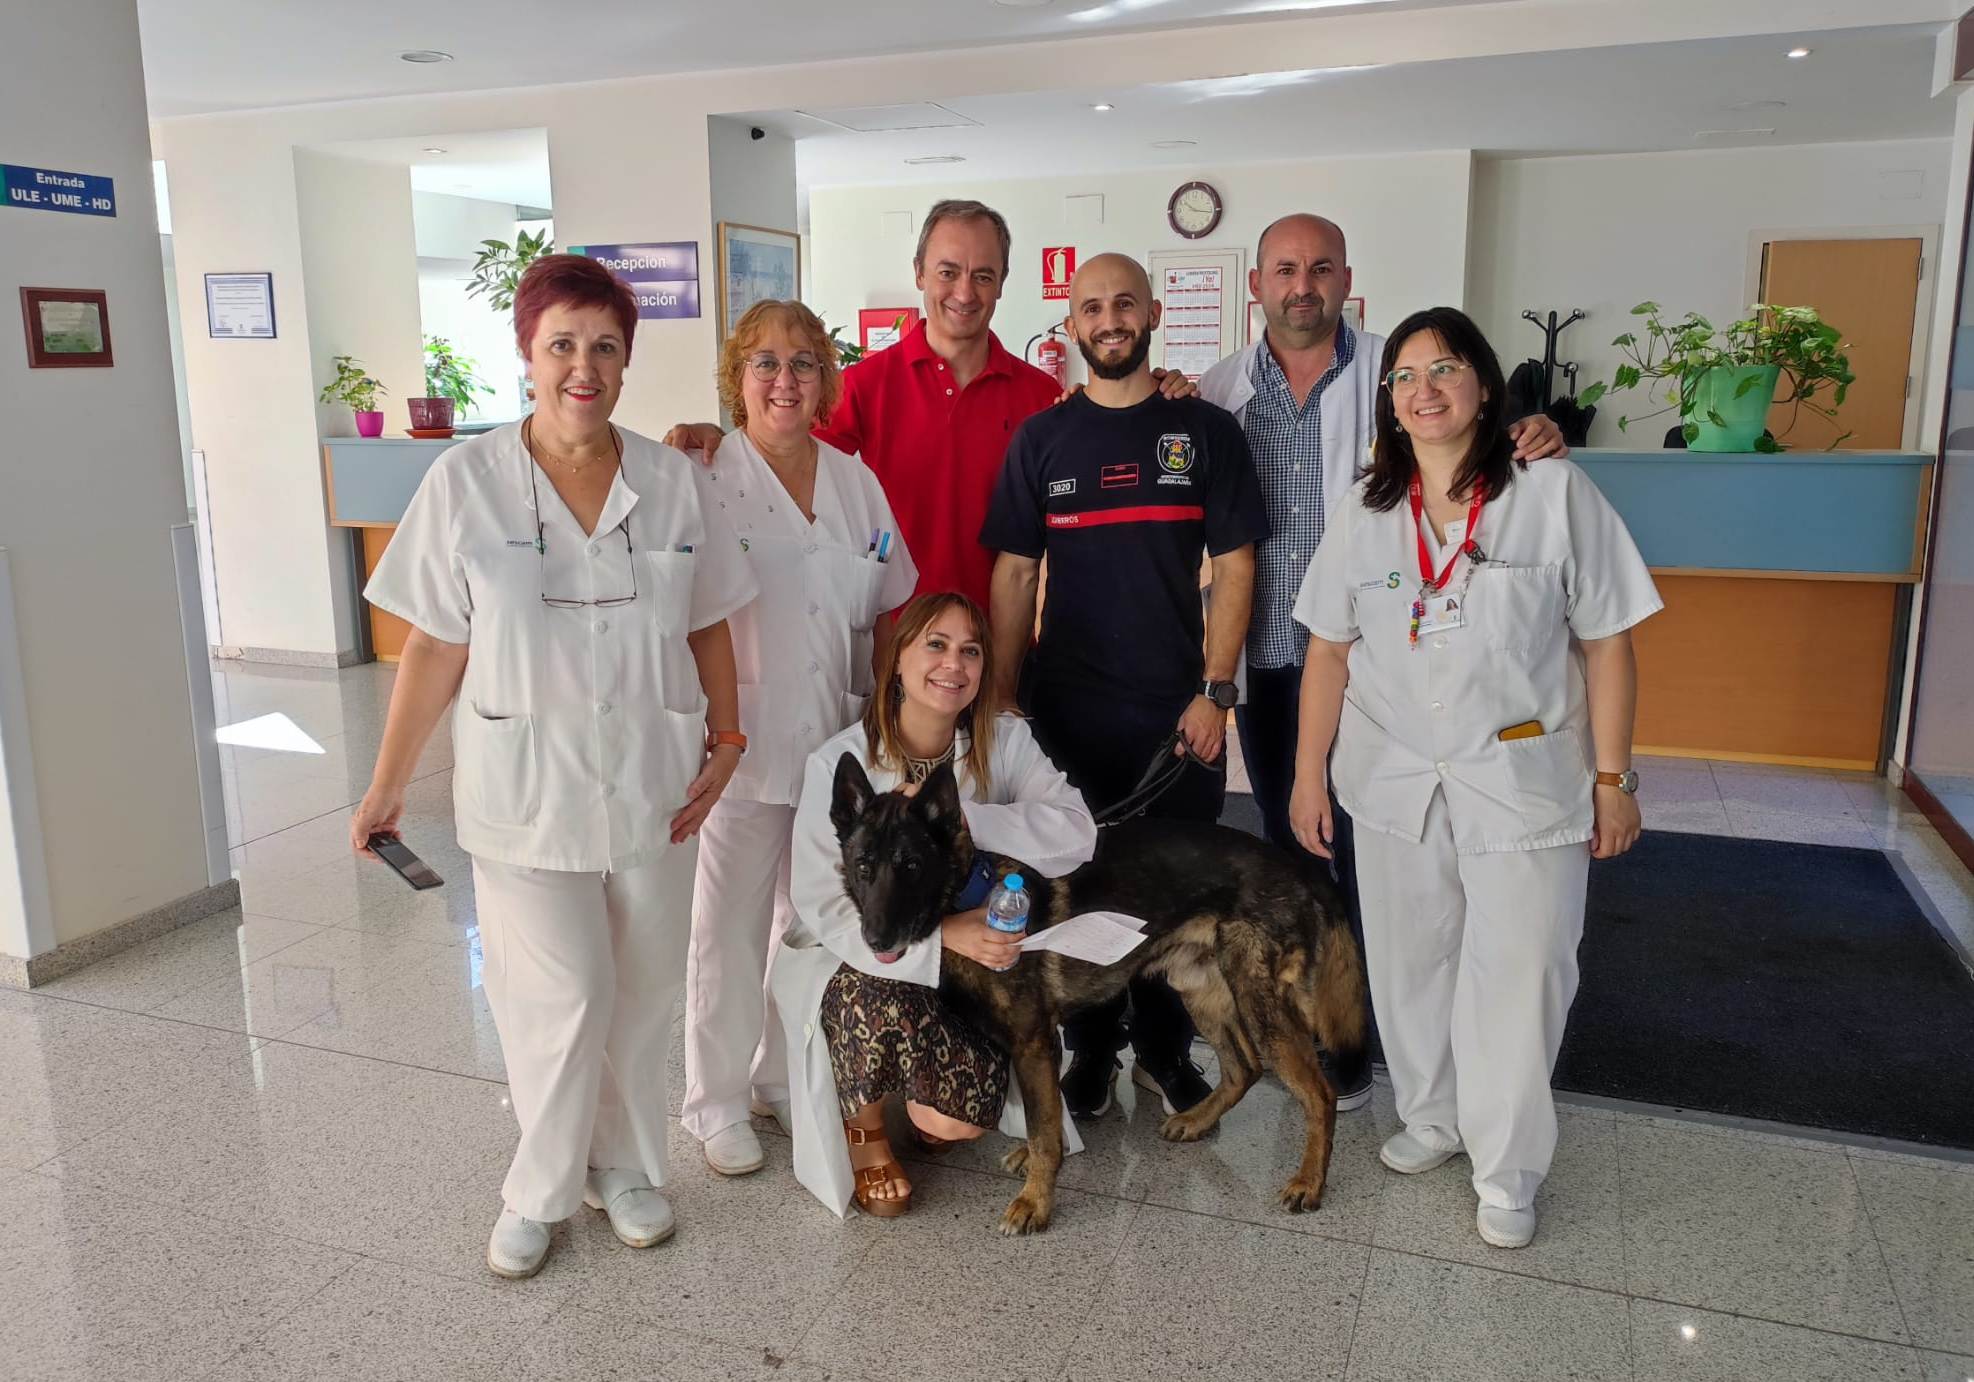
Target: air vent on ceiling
1767,133
873,119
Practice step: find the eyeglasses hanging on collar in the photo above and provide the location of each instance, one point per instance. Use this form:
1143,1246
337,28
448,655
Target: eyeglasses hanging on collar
541,555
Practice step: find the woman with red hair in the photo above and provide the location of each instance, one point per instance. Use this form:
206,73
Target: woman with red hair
564,581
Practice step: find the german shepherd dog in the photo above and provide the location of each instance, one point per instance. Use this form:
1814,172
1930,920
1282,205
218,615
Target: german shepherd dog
1254,945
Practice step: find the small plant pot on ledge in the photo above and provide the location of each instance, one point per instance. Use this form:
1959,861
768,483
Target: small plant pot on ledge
369,424
430,414
1740,398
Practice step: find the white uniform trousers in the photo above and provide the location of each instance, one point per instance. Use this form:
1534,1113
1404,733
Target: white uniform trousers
583,972
733,1039
1473,969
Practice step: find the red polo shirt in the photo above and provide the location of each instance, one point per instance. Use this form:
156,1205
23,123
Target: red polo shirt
937,449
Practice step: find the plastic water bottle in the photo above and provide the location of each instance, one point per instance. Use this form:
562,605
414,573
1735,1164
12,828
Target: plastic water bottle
1007,907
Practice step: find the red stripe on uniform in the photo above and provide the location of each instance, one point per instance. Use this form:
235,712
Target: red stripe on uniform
1143,513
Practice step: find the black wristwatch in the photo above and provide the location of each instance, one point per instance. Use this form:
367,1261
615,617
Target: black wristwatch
1221,693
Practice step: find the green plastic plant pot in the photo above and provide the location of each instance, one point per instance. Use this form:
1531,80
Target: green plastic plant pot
1743,416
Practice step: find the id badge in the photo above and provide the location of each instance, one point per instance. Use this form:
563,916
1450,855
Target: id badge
1445,610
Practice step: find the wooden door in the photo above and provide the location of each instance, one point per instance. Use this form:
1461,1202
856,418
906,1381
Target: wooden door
1869,290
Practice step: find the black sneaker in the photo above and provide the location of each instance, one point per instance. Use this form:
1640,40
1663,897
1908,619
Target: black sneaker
1350,1078
1178,1087
1086,1085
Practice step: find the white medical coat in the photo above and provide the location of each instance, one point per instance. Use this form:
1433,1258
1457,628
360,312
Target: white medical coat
1559,565
1030,813
802,647
577,731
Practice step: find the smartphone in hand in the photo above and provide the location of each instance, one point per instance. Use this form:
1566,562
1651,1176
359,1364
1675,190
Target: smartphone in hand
403,862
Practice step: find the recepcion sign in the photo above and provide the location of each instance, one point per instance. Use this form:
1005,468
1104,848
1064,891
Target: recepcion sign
665,277
45,189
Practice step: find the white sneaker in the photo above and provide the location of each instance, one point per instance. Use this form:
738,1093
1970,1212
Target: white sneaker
1408,1156
518,1246
639,1214
1505,1228
734,1150
776,1109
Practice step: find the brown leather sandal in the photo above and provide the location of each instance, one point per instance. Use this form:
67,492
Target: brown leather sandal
870,1178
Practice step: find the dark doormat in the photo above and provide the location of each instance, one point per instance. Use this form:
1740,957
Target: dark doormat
1782,982
1785,982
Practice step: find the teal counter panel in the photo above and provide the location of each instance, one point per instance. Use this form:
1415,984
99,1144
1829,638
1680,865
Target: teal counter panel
1844,512
371,480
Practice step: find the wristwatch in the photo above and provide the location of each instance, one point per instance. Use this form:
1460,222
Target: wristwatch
717,737
1626,781
1221,693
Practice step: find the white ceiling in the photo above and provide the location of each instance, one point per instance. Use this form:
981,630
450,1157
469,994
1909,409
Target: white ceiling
493,165
1857,84
210,55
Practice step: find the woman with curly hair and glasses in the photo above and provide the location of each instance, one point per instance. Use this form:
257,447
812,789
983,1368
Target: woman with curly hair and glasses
825,548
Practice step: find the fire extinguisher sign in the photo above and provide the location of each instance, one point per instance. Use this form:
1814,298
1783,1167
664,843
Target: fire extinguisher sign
1058,266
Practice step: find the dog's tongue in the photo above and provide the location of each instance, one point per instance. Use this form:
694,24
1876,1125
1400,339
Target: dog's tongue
887,957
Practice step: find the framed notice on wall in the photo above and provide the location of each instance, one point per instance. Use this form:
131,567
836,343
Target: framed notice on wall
756,264
1204,294
66,327
240,307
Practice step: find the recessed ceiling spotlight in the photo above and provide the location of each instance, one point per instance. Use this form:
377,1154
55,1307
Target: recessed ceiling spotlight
431,149
1174,143
425,55
1102,106
1801,52
935,158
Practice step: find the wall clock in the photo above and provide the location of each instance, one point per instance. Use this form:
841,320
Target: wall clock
1194,210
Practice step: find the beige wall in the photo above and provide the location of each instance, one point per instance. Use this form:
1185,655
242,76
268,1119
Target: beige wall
1606,233
92,487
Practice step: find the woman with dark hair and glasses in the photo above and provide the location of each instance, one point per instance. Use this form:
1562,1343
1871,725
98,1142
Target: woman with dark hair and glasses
1470,689
826,550
564,580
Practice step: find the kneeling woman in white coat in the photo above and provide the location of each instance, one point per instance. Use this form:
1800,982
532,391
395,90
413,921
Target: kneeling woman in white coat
1470,661
863,1027
816,530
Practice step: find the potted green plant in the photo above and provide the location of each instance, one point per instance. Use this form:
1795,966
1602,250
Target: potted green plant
497,269
352,386
1725,379
449,387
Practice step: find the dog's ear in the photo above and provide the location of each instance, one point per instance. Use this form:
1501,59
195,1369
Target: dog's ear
852,794
939,799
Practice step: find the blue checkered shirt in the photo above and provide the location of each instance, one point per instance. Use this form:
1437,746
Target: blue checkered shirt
1287,443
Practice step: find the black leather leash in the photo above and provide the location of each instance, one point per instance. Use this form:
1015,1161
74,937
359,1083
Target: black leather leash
1164,770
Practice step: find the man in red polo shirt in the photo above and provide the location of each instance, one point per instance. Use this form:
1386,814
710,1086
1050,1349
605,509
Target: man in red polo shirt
932,415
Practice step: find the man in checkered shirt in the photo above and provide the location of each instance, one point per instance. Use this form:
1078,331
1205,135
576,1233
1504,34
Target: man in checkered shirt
1306,394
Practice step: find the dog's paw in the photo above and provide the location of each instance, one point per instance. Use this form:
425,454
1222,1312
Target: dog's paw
1186,1127
1028,1213
1301,1196
1016,1158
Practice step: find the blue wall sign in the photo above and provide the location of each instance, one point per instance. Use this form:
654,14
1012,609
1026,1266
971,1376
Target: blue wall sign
665,278
44,189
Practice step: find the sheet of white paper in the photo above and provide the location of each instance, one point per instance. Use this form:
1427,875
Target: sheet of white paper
1101,938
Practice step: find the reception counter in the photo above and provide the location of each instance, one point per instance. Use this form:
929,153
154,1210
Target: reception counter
1787,580
369,481
1788,587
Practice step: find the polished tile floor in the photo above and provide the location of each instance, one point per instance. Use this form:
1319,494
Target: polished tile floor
269,1145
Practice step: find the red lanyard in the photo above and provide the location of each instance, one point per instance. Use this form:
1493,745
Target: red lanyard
1429,581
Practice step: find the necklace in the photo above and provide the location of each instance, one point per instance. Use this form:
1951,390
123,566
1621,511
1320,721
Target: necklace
919,769
542,453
